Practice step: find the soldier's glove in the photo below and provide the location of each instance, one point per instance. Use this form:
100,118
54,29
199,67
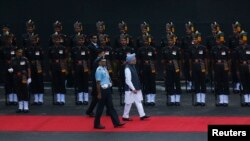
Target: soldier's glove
29,81
10,70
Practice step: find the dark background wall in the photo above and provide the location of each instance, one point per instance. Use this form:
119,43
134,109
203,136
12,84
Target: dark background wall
155,12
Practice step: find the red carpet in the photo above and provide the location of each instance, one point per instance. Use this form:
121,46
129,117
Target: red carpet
85,124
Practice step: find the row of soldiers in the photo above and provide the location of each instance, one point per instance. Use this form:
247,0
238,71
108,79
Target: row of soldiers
73,58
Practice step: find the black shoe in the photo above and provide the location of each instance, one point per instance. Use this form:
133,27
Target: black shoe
225,104
62,103
14,103
79,103
127,119
19,111
26,111
170,103
119,125
34,103
152,104
85,102
90,114
197,104
40,103
99,127
219,104
144,117
203,104
177,104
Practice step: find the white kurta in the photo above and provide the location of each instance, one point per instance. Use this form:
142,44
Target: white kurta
131,97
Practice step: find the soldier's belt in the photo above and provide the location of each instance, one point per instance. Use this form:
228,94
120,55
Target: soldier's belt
198,61
245,62
18,73
56,61
169,62
146,62
220,61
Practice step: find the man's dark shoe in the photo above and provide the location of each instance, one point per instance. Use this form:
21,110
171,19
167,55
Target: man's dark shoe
119,125
99,127
85,103
26,111
19,111
144,117
127,119
90,114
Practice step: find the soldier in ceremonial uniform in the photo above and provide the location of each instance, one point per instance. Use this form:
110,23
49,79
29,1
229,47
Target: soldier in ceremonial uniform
243,69
233,43
120,55
7,54
35,54
6,32
108,53
170,29
171,58
58,63
58,31
145,32
147,62
21,78
220,56
80,58
101,27
78,28
198,68
30,28
211,42
123,28
185,44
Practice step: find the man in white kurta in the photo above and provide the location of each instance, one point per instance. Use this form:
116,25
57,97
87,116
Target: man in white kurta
133,93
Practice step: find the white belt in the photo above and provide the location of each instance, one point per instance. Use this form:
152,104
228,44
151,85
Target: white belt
105,86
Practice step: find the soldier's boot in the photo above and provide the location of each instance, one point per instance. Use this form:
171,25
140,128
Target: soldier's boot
20,107
86,99
58,99
148,100
15,99
40,99
225,103
152,99
35,99
203,99
26,107
245,100
79,98
10,99
198,99
62,99
177,99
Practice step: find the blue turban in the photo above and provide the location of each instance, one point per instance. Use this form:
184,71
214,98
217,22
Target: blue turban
130,57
